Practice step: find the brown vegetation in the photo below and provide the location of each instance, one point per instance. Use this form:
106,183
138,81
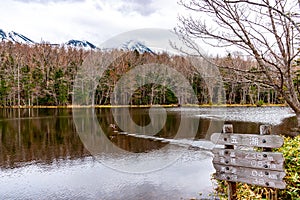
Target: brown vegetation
43,75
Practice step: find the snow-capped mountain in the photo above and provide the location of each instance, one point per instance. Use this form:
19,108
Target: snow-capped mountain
81,44
19,38
15,37
2,35
132,45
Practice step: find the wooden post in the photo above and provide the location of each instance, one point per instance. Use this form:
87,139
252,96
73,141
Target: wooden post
228,128
267,130
264,168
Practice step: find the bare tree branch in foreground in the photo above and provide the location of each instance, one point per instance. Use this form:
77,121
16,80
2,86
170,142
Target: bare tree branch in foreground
267,30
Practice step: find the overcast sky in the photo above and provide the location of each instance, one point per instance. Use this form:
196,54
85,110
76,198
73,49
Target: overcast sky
57,21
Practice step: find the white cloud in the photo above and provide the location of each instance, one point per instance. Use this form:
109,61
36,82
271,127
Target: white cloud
94,20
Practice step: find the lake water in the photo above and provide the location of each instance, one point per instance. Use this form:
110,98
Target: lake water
119,153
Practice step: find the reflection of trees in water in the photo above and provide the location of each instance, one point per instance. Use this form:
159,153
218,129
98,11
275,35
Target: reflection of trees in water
37,135
44,135
191,128
140,116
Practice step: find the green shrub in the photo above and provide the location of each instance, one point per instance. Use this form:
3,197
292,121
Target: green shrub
260,103
291,153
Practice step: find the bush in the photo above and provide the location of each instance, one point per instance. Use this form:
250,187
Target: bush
291,153
260,103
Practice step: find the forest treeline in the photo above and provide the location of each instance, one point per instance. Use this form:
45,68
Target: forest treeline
44,75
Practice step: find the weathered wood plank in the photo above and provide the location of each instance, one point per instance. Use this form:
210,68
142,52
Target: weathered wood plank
231,189
250,180
267,130
259,164
273,157
267,175
250,140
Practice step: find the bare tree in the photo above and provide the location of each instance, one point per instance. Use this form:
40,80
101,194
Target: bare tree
267,30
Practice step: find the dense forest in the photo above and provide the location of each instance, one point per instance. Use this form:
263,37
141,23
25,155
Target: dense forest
43,75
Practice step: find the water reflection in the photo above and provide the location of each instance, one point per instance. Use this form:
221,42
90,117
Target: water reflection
43,135
43,146
39,135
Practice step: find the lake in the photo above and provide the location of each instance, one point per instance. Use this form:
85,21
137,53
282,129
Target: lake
120,153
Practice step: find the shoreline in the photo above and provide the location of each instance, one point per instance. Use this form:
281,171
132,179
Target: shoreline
146,106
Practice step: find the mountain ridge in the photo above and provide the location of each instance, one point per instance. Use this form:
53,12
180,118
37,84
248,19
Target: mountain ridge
130,45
